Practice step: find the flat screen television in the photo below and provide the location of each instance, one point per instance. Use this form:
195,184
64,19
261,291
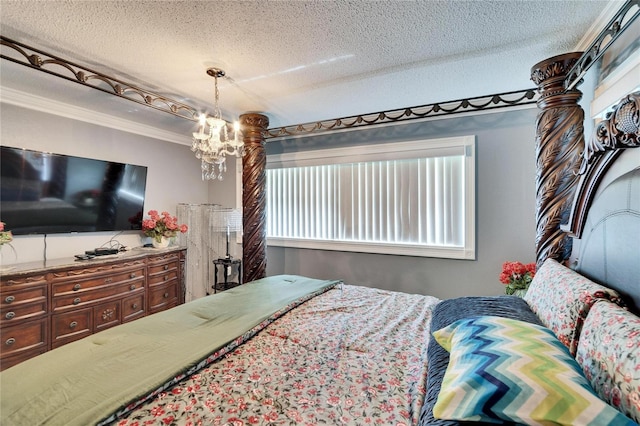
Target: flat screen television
45,193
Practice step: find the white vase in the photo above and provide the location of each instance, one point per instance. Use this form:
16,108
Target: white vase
520,292
163,243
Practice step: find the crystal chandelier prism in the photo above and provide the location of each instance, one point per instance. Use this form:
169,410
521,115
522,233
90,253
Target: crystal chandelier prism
213,142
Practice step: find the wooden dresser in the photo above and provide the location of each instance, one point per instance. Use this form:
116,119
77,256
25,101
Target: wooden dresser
44,306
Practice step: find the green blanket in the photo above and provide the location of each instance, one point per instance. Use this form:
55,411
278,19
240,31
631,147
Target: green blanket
85,381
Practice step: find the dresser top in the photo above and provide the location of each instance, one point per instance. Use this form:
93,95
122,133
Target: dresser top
70,262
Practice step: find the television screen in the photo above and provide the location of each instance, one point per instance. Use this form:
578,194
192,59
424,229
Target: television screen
44,193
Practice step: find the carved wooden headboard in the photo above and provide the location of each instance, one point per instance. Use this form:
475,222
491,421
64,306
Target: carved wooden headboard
578,198
605,216
609,250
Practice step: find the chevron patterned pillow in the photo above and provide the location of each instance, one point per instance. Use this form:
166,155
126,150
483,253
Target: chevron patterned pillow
509,370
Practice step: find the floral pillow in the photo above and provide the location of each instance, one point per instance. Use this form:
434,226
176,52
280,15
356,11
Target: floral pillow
609,354
502,369
562,298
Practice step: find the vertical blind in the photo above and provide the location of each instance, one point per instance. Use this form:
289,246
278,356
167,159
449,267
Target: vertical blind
419,201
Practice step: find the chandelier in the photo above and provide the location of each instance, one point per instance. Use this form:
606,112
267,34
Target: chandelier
213,141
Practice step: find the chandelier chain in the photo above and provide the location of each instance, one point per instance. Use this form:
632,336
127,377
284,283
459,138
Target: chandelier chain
217,112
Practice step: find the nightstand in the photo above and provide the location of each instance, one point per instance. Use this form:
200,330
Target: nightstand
230,268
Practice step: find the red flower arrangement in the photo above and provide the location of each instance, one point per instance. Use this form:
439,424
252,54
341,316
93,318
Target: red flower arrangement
162,225
517,276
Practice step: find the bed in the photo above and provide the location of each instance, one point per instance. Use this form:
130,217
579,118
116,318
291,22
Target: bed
296,350
310,365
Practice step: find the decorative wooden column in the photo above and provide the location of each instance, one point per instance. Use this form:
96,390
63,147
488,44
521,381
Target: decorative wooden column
559,141
254,161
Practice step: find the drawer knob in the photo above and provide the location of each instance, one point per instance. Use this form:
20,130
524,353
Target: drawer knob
10,315
166,267
10,341
133,287
166,295
77,287
134,306
133,275
9,299
73,324
76,300
166,277
108,280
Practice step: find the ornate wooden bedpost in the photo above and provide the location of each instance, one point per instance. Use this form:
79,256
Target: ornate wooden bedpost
559,141
254,241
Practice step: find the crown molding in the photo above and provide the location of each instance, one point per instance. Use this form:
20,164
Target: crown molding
50,106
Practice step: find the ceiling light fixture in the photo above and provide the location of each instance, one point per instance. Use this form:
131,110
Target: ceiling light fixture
212,145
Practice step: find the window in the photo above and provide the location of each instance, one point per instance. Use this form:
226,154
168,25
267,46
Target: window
408,198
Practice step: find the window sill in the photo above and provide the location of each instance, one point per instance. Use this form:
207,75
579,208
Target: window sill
377,248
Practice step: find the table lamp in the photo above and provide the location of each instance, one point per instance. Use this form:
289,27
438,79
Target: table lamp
226,220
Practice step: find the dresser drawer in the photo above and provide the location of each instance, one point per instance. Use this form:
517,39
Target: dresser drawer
106,315
22,294
163,297
158,273
90,270
101,294
24,337
89,283
163,277
8,284
23,298
70,326
24,303
132,307
23,311
158,262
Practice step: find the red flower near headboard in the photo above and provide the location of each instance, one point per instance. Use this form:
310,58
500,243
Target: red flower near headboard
517,276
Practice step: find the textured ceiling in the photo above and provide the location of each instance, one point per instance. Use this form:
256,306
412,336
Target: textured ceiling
296,61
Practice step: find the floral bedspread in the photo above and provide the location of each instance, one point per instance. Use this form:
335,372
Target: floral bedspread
353,355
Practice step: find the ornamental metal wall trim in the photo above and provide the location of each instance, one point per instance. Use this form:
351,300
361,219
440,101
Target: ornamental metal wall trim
616,26
63,68
68,70
480,103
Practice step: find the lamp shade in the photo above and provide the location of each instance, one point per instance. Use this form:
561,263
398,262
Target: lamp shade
226,220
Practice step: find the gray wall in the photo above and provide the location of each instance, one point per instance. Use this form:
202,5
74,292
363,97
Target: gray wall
173,174
505,197
505,214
